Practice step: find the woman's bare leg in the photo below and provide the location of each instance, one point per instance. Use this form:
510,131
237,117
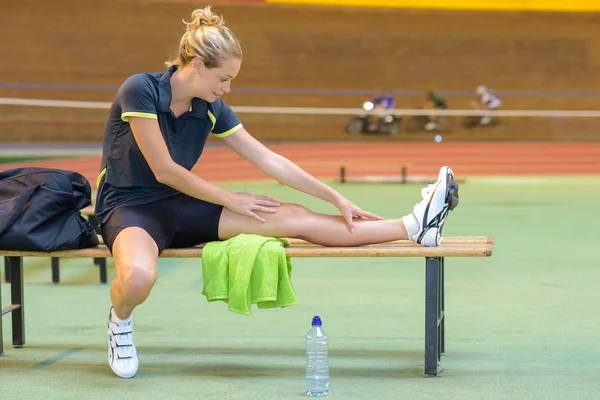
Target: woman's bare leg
296,221
423,225
135,254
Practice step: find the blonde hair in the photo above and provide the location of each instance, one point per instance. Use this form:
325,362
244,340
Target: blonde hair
207,38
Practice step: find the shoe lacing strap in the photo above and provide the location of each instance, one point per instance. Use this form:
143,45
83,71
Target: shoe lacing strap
122,337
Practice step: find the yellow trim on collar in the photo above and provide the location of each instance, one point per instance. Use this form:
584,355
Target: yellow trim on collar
213,119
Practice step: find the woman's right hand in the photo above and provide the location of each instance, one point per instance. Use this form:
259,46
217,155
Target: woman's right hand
245,203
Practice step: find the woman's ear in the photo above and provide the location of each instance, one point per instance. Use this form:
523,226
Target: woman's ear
198,65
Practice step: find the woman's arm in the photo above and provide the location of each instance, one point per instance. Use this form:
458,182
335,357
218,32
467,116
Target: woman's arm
150,141
290,174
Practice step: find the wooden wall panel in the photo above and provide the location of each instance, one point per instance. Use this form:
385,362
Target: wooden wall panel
292,46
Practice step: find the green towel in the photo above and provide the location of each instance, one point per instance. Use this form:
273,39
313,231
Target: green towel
246,270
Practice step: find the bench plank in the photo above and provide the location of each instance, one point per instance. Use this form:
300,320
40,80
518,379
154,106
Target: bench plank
405,249
447,240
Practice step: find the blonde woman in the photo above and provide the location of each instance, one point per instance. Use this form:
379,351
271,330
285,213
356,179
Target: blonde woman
148,199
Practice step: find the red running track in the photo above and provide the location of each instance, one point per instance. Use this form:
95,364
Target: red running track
219,164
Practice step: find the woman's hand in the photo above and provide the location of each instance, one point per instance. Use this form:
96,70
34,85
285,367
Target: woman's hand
247,204
350,211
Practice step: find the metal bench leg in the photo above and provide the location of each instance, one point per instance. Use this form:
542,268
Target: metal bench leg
433,314
101,263
16,296
55,270
442,316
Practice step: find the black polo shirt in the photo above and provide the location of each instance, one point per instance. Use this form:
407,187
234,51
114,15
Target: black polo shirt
126,177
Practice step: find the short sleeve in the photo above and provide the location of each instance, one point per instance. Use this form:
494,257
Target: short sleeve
137,98
224,120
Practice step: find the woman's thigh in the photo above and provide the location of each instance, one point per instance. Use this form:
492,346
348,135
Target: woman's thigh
290,220
196,221
135,253
156,219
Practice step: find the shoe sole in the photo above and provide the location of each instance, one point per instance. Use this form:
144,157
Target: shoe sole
451,191
451,199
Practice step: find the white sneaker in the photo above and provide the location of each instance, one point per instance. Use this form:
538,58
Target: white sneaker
122,356
425,224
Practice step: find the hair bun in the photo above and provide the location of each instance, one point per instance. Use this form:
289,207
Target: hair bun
206,38
204,17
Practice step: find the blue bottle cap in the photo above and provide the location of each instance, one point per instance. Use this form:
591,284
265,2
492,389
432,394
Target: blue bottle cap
316,321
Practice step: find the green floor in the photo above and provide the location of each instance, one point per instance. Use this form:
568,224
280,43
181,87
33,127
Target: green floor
522,324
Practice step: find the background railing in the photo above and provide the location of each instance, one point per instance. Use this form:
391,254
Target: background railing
60,121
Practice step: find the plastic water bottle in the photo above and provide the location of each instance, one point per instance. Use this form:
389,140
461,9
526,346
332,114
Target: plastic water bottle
317,361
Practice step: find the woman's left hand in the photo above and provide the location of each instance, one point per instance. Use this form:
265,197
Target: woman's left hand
350,211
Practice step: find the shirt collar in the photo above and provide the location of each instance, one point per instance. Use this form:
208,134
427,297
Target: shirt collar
199,108
165,95
164,90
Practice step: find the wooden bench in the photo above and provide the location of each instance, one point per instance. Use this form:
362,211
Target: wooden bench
468,246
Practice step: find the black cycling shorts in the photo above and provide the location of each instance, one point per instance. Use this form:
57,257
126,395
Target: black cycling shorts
176,222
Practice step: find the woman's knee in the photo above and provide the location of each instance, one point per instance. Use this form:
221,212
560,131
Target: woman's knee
135,254
293,210
136,277
290,219
294,219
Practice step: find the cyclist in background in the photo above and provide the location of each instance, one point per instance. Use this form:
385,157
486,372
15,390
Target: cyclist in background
437,102
383,104
486,100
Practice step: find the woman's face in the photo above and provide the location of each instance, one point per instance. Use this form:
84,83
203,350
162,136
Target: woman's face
212,83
